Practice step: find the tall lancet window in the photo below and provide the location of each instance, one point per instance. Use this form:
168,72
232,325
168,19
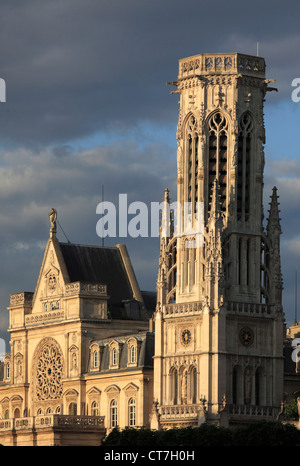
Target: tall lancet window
217,156
192,162
244,158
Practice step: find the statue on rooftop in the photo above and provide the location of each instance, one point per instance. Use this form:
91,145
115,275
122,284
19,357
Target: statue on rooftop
52,218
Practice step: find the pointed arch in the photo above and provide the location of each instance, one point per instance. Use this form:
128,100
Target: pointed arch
173,374
191,162
217,129
244,166
193,384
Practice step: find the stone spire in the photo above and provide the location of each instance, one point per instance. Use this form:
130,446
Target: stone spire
273,234
214,275
215,215
166,235
274,220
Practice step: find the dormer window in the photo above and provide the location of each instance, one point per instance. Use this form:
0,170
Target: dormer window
133,349
8,370
95,356
133,354
96,359
114,358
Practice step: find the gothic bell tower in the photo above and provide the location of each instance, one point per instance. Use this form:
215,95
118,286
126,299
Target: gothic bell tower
219,319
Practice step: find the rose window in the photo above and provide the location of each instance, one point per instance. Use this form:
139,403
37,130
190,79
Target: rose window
49,373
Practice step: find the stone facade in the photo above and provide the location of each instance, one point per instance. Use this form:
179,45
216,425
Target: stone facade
83,357
80,361
219,322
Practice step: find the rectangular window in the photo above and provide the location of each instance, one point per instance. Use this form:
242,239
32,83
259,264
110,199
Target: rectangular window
113,414
133,354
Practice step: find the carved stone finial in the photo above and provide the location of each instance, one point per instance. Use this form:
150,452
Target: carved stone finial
52,218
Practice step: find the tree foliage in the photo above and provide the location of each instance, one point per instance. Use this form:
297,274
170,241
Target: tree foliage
256,434
291,409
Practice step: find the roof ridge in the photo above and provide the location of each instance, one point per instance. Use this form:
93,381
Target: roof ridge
87,245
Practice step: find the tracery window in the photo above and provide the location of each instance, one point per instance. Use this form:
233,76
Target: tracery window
49,372
217,156
244,160
192,162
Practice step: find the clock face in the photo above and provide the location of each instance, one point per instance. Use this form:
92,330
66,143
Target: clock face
186,337
246,336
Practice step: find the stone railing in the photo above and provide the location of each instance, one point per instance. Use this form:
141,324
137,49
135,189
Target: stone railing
6,424
21,299
249,308
87,289
221,63
179,411
53,420
185,309
251,410
57,314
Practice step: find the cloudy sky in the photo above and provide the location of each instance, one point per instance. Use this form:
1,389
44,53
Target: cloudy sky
87,106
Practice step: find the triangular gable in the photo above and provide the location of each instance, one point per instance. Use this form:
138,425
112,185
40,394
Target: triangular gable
93,391
53,275
130,387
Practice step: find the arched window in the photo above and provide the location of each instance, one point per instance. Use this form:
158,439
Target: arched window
131,412
236,385
248,386
217,156
16,413
113,413
259,386
244,159
72,409
95,409
8,370
192,162
193,385
173,386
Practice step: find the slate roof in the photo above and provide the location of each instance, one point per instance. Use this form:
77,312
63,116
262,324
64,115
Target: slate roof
145,354
289,364
98,264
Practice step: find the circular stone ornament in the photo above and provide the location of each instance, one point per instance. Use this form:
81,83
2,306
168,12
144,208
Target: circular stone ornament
246,336
186,337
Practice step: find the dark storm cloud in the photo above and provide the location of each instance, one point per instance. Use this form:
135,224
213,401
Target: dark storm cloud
76,67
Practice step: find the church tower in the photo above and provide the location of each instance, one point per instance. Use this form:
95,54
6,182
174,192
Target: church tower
219,319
